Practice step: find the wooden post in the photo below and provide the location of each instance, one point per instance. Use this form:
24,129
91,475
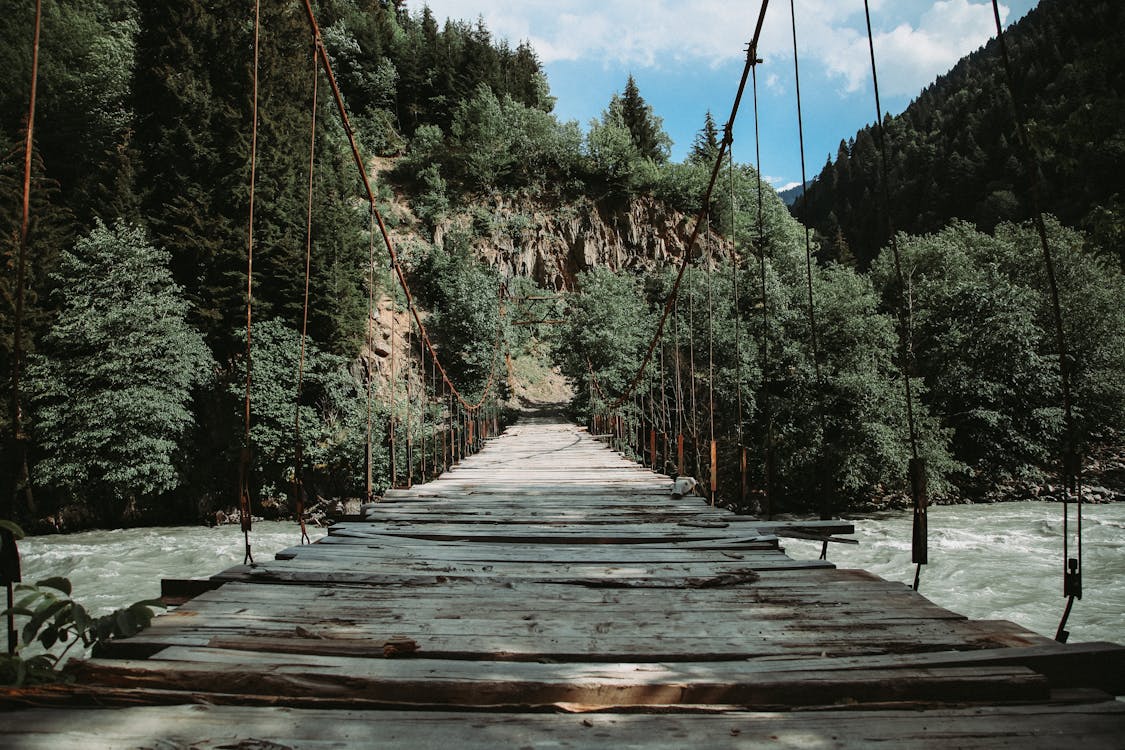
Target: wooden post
652,448
919,547
367,468
744,485
680,454
714,470
10,575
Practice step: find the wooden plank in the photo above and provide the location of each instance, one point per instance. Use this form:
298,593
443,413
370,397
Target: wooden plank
209,727
369,679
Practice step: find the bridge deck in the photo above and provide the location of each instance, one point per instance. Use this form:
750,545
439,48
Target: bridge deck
548,574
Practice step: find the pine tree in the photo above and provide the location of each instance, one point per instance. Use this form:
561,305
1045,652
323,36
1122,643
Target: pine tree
192,125
645,128
706,145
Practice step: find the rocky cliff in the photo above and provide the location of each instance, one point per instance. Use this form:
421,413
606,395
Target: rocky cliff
553,244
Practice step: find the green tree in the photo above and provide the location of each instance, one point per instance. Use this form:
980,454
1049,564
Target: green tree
705,147
613,158
332,410
607,329
645,128
985,343
463,294
83,114
192,127
111,392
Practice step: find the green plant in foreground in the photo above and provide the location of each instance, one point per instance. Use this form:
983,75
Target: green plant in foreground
56,622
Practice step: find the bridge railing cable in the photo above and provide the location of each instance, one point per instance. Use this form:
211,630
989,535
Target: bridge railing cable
396,265
1071,459
916,468
624,415
244,512
699,220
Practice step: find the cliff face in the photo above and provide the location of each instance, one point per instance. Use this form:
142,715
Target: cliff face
552,245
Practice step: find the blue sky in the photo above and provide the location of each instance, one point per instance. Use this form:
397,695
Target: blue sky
687,56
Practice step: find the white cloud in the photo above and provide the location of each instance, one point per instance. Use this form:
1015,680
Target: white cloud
640,33
915,40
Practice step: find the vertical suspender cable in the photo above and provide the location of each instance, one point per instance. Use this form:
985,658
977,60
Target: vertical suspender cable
422,409
742,486
21,275
711,363
10,560
916,468
1071,461
664,427
368,460
392,428
767,413
298,448
679,392
652,429
408,421
823,487
691,372
437,416
244,460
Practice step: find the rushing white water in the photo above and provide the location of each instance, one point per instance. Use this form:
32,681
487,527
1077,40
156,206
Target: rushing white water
112,569
1000,561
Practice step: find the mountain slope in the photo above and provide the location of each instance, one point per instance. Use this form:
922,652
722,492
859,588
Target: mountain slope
952,152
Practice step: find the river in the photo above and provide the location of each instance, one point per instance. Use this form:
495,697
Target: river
999,561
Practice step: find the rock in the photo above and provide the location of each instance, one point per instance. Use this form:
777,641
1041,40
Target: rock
554,246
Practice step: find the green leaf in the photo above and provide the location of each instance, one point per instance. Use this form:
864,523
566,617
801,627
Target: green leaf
125,623
59,583
49,636
19,611
41,616
81,620
13,527
149,603
29,631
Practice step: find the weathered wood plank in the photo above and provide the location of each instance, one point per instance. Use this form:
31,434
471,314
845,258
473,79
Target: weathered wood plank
369,679
209,727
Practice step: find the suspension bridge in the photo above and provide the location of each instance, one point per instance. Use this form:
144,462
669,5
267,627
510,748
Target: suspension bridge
546,590
549,592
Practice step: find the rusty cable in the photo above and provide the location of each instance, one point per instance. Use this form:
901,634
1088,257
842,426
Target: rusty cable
823,473
21,269
767,414
396,265
244,510
686,261
1071,463
919,552
298,448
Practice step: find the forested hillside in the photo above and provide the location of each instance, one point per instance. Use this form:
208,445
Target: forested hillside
139,207
952,151
134,331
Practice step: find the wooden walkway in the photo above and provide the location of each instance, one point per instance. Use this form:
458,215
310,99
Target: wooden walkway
548,593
